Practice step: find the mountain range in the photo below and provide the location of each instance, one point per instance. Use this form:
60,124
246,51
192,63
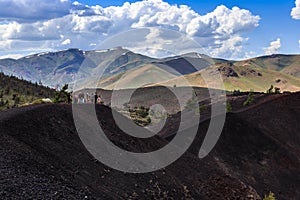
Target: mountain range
120,68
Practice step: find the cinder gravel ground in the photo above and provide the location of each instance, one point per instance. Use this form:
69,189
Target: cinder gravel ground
42,157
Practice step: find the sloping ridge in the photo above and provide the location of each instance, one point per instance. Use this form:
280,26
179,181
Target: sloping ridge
42,156
238,76
261,146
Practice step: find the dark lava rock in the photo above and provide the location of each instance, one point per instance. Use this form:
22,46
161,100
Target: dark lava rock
249,71
42,157
227,71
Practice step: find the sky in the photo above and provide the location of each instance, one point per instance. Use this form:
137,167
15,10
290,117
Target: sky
233,29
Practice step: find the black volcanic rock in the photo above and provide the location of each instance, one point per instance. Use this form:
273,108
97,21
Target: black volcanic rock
251,72
42,156
52,162
227,71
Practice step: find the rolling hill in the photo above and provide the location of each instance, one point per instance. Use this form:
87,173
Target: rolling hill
15,92
257,74
287,64
134,78
239,77
152,72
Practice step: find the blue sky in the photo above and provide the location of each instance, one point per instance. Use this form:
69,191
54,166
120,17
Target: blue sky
266,27
276,21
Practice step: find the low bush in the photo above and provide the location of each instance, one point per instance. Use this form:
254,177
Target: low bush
250,99
271,196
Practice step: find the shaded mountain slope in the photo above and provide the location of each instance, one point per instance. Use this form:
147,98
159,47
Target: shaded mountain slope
58,68
187,63
45,66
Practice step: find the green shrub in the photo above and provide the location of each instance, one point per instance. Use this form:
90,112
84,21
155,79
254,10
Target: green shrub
63,96
277,90
192,103
271,196
228,107
236,93
140,116
270,90
273,90
250,99
142,112
202,108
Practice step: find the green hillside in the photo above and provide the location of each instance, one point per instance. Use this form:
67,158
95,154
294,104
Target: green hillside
240,77
15,92
281,71
287,64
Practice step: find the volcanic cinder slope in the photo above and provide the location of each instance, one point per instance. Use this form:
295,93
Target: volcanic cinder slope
43,157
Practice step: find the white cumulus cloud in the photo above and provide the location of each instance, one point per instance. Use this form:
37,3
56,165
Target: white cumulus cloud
35,10
296,10
38,21
232,47
273,48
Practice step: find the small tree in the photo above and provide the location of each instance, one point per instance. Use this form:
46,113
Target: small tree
16,99
236,93
202,108
270,90
250,99
192,103
2,103
273,90
271,196
228,107
63,96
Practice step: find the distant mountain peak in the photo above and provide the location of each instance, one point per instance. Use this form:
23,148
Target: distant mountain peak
195,55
